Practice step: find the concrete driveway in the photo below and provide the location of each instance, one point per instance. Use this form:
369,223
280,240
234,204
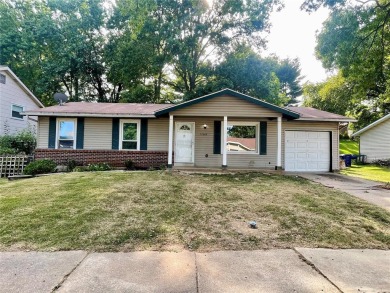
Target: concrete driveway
364,189
279,270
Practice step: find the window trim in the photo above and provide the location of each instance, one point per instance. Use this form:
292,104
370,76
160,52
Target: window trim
123,121
59,120
242,123
12,105
3,78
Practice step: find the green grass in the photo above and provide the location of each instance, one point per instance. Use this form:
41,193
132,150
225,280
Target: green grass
370,172
127,211
349,147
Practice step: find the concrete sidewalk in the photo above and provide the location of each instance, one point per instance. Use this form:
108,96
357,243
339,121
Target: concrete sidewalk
284,270
362,188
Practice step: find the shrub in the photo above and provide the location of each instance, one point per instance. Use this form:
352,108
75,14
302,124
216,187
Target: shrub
93,167
7,151
71,165
382,163
40,167
129,164
22,142
99,167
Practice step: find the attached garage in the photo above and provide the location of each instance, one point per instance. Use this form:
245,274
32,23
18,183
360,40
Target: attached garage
308,151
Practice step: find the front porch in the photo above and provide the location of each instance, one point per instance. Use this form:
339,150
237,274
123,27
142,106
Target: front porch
197,141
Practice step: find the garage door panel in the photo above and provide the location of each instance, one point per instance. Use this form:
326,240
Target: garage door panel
312,156
323,135
307,151
312,135
300,135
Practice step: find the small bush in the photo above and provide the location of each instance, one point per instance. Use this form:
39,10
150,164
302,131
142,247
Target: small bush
7,151
71,165
93,167
129,164
40,167
99,167
22,142
382,163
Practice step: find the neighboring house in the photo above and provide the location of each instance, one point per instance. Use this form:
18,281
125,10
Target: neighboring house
15,98
375,139
192,134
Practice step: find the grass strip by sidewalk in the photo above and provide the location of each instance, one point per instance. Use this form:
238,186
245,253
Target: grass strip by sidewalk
127,211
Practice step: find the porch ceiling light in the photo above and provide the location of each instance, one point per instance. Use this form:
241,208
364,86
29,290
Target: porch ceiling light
205,126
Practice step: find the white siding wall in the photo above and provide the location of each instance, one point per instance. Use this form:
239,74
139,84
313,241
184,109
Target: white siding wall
11,93
43,133
158,134
97,134
375,142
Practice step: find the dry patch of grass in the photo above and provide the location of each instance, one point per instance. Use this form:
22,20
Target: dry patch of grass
126,211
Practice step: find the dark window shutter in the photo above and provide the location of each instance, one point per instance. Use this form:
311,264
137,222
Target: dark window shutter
217,137
263,138
80,134
144,134
52,132
115,133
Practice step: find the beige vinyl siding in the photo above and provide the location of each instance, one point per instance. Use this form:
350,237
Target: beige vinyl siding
43,133
226,106
204,146
158,130
97,133
315,126
375,142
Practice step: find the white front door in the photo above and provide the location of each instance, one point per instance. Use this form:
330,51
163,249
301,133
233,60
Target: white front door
184,142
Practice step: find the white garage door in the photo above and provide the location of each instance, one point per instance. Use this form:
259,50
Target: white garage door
307,151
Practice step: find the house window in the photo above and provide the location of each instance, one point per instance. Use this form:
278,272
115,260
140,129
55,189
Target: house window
66,134
2,78
16,110
242,137
130,135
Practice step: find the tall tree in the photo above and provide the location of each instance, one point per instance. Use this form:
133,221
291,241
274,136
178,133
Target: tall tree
183,34
356,40
54,45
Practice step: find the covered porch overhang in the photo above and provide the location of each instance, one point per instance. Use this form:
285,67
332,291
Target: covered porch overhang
224,155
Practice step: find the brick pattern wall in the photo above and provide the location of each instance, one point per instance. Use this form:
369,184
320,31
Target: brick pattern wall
115,158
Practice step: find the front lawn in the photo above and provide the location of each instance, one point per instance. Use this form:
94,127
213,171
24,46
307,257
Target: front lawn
126,211
370,172
349,147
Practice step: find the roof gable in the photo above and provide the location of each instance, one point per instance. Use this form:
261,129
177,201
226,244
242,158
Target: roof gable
379,121
22,85
228,92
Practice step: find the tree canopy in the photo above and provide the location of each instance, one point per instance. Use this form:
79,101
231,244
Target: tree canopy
143,51
355,40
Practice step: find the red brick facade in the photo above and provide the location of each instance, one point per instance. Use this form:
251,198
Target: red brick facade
115,158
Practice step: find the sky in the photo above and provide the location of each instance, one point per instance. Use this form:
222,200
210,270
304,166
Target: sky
293,34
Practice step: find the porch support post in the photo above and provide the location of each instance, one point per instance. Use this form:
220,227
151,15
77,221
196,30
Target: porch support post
279,151
170,141
224,152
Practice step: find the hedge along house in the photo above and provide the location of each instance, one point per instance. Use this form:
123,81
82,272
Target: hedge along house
224,129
